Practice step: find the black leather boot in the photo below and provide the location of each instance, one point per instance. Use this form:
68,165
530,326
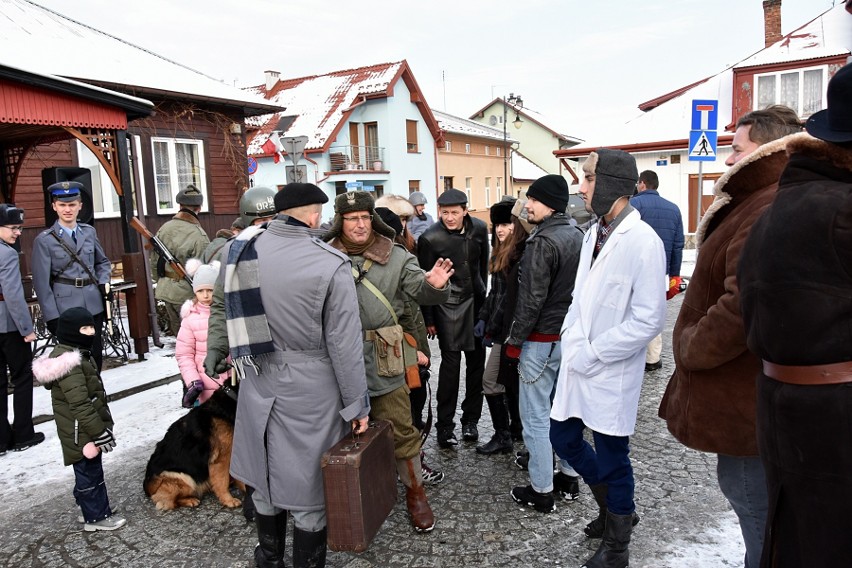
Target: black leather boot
595,529
271,537
501,441
613,552
309,548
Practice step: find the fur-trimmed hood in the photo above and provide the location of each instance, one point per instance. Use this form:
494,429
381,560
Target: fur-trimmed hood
379,252
47,369
748,174
191,306
839,156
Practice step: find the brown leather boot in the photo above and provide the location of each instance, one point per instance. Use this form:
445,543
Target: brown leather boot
422,517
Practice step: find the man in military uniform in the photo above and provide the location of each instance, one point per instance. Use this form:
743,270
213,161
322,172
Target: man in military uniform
16,334
69,266
464,240
185,239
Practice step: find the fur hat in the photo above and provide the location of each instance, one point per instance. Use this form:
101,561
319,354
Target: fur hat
452,197
190,196
238,224
69,324
203,275
552,190
11,215
295,195
615,177
397,204
501,212
834,124
356,201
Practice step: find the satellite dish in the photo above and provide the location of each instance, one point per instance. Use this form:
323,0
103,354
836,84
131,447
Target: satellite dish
492,120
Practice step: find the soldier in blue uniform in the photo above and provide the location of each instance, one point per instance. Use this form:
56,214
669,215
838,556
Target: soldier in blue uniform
62,281
16,334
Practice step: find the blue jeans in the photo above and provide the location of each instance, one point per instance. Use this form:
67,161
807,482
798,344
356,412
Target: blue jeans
539,369
607,463
743,483
90,490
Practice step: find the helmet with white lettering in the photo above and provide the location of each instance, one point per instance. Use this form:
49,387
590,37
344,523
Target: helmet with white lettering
257,203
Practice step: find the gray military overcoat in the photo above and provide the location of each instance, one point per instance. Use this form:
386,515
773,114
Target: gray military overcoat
308,391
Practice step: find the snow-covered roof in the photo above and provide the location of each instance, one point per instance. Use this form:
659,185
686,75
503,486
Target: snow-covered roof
459,125
829,34
320,103
524,168
525,112
44,41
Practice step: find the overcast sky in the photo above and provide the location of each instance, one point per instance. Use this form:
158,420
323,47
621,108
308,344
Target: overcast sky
585,65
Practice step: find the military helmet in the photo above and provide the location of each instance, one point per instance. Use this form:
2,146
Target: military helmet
256,203
417,198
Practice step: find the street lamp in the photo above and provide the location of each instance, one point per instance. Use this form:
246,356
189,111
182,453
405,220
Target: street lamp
517,104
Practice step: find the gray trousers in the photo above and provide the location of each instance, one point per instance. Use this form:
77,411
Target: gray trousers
310,521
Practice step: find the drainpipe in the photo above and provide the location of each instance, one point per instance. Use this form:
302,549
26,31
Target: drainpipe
316,170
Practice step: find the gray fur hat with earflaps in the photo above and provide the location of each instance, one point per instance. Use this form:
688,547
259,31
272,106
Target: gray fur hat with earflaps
356,201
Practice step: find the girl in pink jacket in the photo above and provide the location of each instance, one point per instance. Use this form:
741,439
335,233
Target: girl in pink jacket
191,345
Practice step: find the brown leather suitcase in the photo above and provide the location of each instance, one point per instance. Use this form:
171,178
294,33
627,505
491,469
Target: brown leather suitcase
359,478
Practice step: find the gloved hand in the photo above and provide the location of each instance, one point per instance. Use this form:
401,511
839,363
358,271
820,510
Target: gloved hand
193,390
215,365
487,341
52,325
105,441
674,287
512,352
479,329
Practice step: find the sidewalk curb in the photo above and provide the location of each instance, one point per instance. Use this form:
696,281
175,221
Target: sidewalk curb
42,418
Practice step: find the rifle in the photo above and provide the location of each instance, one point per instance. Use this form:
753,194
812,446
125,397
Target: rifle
157,245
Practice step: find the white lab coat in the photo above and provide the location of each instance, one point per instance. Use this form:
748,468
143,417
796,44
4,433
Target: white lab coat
619,306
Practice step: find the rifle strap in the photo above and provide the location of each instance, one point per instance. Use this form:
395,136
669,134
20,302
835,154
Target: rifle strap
74,258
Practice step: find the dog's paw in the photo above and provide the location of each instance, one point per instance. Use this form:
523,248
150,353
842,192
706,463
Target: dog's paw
231,502
164,505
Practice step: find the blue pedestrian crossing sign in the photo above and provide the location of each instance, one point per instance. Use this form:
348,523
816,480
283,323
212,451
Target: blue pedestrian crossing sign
703,133
702,145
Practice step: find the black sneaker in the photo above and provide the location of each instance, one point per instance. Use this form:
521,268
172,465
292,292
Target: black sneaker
522,460
470,433
566,486
37,439
653,366
541,502
430,476
447,440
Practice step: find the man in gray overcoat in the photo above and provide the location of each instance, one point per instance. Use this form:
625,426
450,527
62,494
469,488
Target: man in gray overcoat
61,281
294,336
386,276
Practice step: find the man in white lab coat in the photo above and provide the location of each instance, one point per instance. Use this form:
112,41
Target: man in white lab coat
619,306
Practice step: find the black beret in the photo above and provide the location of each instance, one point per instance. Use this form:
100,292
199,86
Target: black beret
298,194
452,197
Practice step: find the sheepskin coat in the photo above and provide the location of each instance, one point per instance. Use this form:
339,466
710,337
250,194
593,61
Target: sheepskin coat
191,348
79,400
709,403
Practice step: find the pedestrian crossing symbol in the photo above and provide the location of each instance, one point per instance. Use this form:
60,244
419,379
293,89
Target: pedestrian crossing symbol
702,146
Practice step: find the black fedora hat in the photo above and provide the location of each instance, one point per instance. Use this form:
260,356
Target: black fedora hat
834,124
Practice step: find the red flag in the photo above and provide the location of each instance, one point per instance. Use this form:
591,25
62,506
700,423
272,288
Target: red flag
269,147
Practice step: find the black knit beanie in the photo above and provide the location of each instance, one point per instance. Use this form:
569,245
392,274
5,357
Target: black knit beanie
68,328
552,190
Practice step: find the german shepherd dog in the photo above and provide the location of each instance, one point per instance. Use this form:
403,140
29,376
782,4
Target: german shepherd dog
195,456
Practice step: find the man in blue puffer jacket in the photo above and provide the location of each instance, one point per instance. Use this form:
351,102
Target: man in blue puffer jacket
664,217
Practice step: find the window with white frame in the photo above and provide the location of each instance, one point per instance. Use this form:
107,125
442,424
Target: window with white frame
499,186
448,146
803,90
104,195
487,150
467,183
499,151
177,163
488,192
467,148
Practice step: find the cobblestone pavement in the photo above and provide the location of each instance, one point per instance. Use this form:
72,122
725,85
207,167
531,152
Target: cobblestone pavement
478,524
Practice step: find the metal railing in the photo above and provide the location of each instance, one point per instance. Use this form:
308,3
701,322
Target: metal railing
349,158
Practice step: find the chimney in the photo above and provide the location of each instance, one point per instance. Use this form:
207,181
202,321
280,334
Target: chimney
771,21
272,76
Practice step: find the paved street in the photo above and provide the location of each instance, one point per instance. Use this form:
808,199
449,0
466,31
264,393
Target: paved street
478,523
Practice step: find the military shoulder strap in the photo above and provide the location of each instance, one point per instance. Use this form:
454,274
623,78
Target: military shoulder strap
74,258
361,277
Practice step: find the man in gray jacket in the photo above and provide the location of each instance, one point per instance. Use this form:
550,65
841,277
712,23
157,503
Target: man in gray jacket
386,276
295,338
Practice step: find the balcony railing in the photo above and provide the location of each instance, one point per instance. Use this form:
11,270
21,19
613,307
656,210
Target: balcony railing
353,158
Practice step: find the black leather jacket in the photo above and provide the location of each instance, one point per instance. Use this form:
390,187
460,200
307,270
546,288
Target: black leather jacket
469,252
546,278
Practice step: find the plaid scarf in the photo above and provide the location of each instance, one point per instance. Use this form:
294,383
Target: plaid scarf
248,329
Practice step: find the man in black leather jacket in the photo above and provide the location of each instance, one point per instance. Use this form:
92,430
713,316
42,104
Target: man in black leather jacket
546,283
464,240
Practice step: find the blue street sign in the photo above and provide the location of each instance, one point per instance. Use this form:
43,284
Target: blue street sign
354,184
702,145
252,165
705,115
662,162
369,188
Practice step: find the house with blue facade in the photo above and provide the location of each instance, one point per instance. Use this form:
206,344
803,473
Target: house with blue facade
366,129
